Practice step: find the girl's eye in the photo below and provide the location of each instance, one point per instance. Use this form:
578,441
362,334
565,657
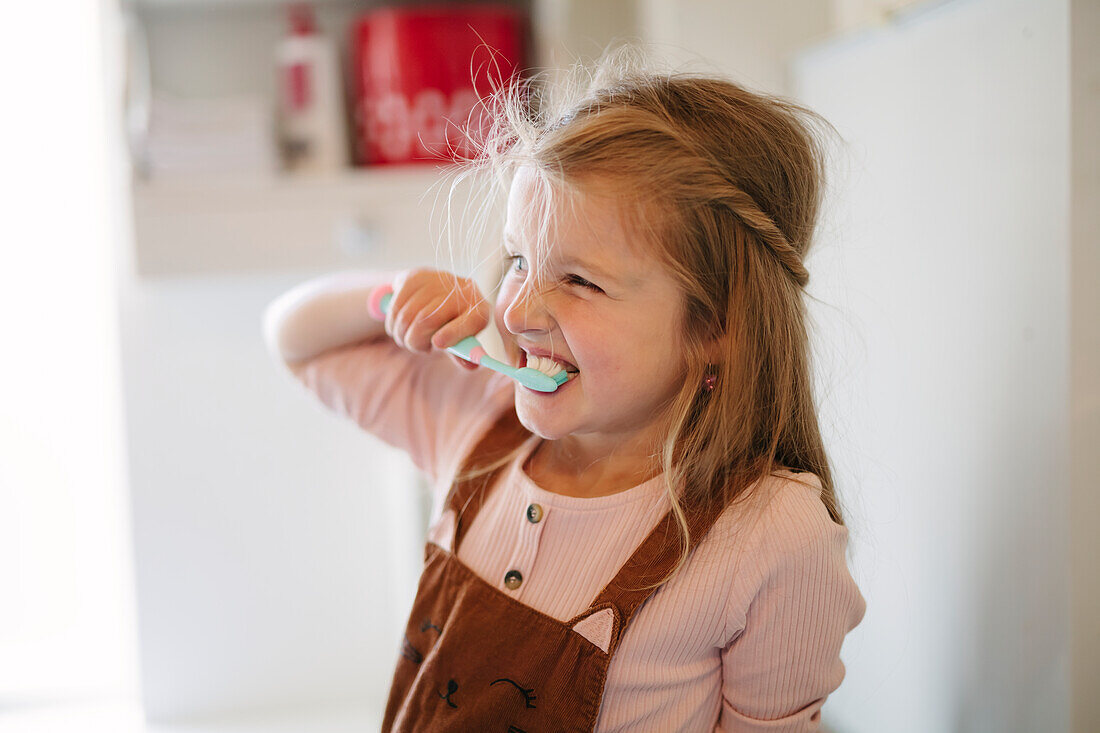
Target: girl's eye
574,279
583,283
511,259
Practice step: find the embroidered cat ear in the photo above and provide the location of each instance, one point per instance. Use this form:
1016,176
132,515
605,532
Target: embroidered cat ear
442,532
597,628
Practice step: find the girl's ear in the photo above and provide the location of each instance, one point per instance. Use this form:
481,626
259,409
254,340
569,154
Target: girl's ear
716,350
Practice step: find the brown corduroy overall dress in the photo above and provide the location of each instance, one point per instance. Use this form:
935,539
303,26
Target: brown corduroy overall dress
476,659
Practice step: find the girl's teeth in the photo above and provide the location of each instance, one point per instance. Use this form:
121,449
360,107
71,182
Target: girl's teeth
546,365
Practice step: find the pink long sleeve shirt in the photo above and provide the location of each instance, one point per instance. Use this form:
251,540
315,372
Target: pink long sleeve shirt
746,637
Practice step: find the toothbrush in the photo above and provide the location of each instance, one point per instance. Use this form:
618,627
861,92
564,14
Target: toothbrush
471,350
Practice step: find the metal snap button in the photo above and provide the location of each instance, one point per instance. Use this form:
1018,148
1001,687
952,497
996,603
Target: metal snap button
513,579
534,513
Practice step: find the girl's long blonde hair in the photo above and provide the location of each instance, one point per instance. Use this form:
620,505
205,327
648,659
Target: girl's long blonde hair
723,185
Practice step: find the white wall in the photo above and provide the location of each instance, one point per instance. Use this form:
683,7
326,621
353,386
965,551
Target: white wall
268,553
943,271
748,40
1085,359
66,610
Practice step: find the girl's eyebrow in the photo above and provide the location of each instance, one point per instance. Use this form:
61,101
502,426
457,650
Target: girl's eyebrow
569,261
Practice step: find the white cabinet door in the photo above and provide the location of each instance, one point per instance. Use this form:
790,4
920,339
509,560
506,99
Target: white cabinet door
942,270
276,544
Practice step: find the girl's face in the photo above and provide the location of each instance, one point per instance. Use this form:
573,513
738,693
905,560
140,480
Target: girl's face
606,310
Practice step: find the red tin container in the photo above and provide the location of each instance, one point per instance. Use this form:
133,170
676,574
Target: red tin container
419,72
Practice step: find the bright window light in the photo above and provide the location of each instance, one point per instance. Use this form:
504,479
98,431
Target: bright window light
66,618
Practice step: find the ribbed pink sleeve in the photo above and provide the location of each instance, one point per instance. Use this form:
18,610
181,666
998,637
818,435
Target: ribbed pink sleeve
779,669
423,404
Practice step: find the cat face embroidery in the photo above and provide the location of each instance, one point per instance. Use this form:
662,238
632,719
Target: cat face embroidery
451,695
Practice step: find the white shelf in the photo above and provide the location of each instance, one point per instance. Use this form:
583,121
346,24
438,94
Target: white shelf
377,217
374,216
188,4
354,180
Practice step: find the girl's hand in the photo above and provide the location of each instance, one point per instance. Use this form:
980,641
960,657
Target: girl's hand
433,309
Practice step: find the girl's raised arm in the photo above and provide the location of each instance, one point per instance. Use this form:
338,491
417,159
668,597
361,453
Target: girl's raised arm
321,314
323,333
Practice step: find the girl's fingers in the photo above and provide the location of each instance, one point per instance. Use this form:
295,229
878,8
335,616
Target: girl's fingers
397,303
410,295
427,322
468,324
426,314
405,318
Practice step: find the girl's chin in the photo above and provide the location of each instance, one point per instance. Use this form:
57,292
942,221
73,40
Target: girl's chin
538,412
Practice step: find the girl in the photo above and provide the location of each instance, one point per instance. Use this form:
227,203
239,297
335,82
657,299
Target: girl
657,544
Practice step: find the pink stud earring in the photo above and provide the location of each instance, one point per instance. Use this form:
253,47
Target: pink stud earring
709,381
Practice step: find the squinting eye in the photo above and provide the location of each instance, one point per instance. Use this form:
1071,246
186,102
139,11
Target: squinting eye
583,283
574,279
511,259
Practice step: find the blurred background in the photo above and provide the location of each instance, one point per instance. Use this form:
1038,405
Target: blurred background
188,542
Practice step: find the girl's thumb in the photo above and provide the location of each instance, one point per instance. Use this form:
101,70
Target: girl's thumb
462,362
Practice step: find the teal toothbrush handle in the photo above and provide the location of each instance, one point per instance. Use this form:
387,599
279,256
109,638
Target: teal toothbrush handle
471,350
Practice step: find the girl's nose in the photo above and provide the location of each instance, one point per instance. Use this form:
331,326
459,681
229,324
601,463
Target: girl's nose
527,311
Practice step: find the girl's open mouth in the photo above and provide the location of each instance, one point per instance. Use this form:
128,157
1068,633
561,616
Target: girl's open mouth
547,365
550,367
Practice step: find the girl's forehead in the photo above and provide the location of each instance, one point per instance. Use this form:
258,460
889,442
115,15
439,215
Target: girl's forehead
570,224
